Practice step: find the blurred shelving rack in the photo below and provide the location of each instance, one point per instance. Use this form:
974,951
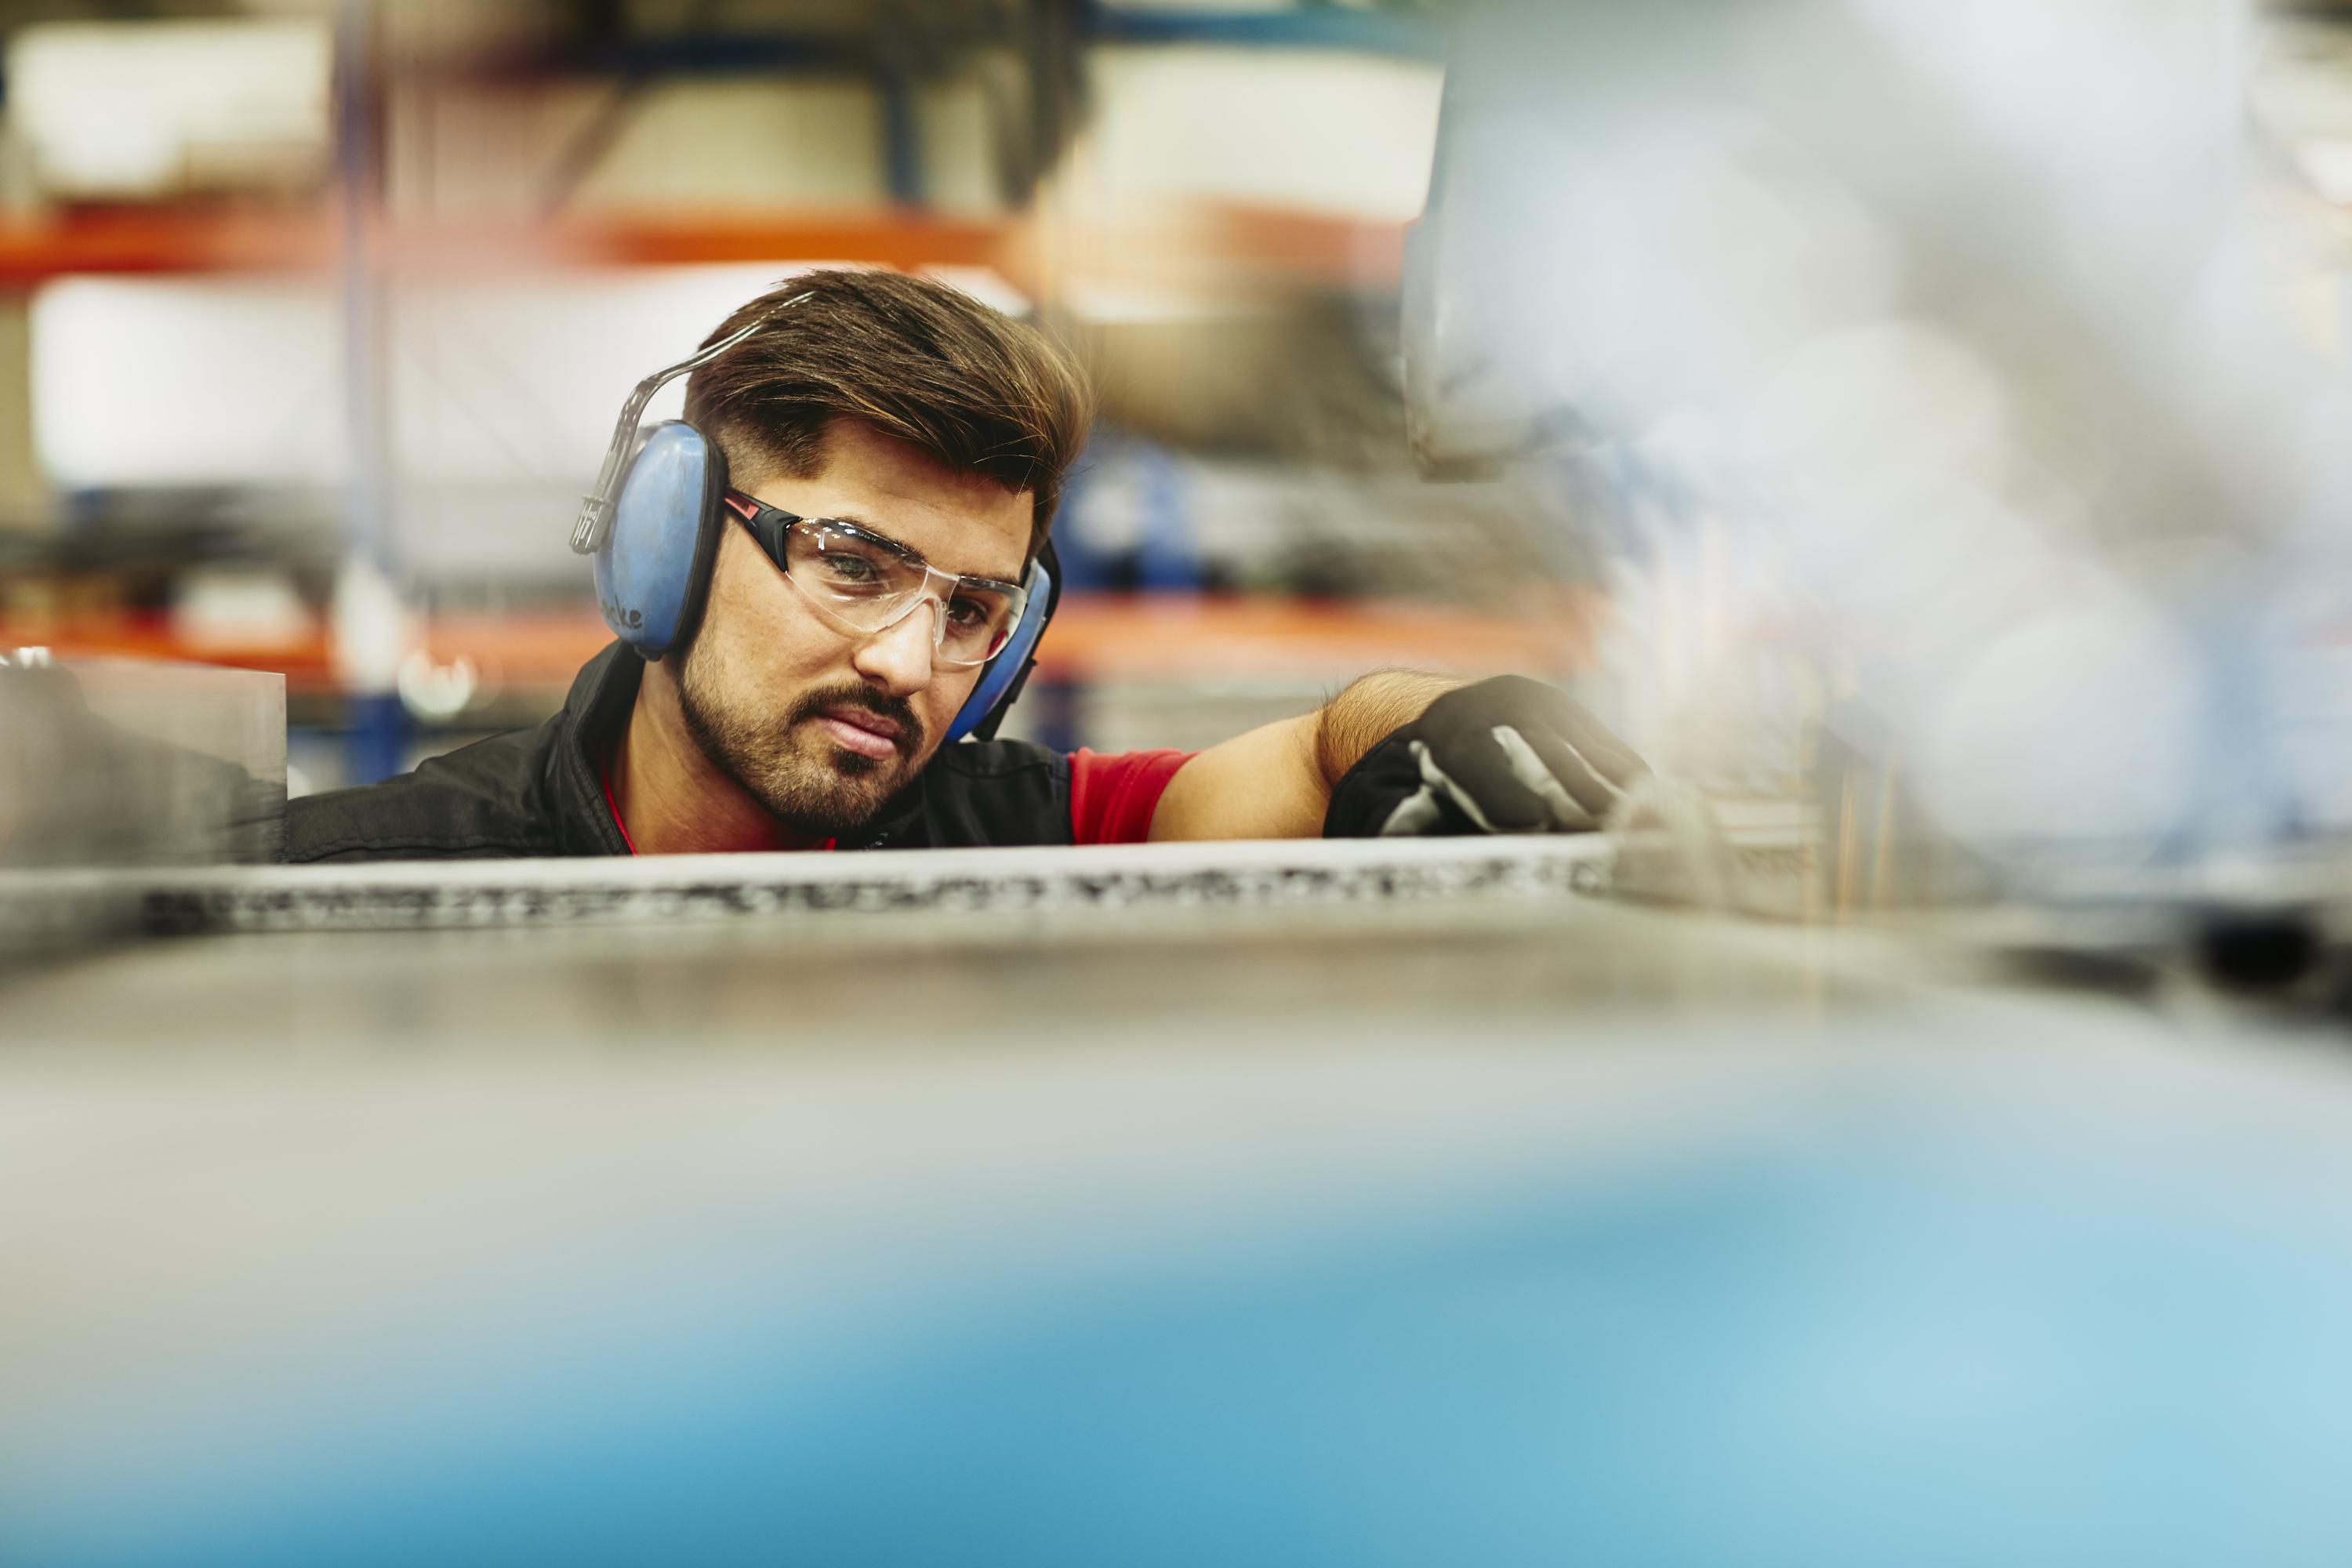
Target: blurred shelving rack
323,236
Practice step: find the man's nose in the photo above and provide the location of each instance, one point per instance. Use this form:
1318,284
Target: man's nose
898,658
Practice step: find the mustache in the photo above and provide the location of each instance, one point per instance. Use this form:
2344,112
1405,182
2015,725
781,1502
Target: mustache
895,708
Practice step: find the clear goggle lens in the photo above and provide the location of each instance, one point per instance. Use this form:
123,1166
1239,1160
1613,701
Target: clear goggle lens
867,586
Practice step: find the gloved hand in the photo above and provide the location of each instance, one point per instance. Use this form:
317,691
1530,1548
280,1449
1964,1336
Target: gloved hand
1505,755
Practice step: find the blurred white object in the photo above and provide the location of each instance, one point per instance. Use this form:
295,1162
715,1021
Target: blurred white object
130,111
437,692
186,381
239,381
1918,338
1332,132
373,630
2082,726
222,607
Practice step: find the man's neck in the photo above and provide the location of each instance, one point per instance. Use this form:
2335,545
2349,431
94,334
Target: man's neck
672,798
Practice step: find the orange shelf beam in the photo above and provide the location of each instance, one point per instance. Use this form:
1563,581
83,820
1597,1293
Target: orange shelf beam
1199,244
141,240
160,241
1242,637
1093,638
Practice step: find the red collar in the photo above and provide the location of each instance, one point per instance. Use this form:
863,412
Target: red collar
605,777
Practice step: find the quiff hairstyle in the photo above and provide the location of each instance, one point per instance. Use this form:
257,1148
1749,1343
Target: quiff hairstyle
972,389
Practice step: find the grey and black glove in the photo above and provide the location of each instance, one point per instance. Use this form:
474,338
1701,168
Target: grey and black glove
1507,755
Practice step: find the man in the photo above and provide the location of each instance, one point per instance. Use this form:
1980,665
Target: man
923,427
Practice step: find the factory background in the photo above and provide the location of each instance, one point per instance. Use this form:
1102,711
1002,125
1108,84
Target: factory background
312,319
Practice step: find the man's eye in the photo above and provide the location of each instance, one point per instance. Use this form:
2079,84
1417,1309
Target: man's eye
848,568
965,613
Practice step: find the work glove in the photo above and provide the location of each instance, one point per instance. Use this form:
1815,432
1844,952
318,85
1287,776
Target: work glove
1507,755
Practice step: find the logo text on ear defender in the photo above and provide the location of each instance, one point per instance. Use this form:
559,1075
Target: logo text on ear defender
632,618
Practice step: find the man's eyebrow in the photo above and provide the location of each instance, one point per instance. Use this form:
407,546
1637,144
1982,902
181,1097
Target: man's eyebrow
880,533
904,548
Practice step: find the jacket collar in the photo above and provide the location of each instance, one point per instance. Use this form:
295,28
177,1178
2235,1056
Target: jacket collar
595,712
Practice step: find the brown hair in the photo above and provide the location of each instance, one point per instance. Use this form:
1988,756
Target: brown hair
972,388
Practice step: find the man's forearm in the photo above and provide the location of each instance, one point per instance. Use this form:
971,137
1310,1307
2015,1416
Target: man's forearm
1367,712
1504,755
1276,782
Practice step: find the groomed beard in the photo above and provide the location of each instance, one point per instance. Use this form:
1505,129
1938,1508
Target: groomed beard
812,787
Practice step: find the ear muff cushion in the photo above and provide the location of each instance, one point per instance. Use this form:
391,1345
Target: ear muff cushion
653,571
713,515
1001,684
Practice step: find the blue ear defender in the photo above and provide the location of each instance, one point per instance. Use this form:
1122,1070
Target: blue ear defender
1008,672
652,525
653,565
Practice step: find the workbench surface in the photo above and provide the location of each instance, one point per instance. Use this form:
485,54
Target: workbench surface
1497,1228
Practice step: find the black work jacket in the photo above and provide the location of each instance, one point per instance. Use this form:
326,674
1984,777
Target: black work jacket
541,792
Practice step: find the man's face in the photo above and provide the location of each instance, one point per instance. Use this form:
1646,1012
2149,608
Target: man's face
819,725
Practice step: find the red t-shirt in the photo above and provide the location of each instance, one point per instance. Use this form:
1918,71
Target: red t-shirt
1111,797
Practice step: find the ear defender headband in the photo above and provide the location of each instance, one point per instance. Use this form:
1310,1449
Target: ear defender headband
653,523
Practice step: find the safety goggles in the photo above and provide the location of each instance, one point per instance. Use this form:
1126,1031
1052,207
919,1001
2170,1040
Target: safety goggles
864,584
